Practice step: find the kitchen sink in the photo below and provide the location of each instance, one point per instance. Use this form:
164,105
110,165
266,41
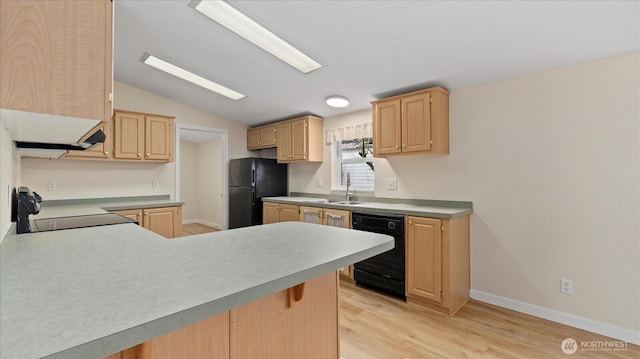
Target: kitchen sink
346,202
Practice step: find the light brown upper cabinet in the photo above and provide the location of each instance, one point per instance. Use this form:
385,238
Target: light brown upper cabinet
143,137
57,57
261,137
416,122
299,140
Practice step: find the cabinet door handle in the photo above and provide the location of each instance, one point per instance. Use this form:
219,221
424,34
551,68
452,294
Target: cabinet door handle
106,152
397,147
404,146
148,155
139,154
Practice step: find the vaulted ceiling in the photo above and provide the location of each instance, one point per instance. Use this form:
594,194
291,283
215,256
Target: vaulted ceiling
368,49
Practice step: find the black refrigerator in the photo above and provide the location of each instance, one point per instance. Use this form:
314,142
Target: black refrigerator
250,179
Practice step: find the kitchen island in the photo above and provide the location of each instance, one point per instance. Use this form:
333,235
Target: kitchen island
91,292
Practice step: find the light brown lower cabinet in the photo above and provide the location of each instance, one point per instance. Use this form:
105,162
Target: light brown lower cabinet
165,221
301,322
437,263
279,212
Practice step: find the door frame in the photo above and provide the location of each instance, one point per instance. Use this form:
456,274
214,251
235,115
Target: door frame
224,150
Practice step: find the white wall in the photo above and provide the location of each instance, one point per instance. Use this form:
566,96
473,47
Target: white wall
189,181
551,162
201,182
82,179
209,183
9,177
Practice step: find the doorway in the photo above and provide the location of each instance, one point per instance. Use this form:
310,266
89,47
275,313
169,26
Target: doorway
201,174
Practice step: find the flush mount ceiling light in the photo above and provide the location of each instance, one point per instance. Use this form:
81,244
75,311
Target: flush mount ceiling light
234,20
337,101
189,76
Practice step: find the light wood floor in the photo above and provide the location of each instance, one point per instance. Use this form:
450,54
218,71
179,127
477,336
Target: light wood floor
196,228
376,326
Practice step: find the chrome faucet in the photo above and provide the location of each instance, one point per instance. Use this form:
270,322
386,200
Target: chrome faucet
348,195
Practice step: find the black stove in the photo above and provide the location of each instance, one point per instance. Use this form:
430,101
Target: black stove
93,220
25,203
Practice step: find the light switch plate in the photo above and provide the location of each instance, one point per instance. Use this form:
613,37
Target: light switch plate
52,186
155,184
319,182
392,184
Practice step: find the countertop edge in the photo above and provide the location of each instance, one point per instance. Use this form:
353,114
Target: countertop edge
458,212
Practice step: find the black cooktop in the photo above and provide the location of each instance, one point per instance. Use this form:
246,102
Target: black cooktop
93,220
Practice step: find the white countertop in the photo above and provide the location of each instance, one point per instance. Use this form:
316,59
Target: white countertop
89,292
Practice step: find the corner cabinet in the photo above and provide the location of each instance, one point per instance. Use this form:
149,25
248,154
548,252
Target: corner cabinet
165,221
57,57
278,212
437,265
143,137
299,140
417,122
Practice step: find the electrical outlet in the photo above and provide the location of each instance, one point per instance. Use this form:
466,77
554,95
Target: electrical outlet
566,286
392,184
52,186
155,184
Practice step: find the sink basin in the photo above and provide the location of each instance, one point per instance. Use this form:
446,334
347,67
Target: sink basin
347,202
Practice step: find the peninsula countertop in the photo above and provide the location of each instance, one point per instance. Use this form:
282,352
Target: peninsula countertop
89,292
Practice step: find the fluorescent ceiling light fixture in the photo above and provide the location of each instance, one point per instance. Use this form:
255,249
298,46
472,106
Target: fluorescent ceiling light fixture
337,101
189,76
234,20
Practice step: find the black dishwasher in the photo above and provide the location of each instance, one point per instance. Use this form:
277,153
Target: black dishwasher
386,271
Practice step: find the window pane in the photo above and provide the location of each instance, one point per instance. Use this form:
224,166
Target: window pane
361,175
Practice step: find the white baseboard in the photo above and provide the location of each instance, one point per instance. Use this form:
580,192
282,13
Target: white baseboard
201,221
608,330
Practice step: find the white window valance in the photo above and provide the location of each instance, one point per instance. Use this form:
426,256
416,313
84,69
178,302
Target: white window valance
362,130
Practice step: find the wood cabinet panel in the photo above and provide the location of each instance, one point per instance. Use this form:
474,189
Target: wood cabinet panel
270,328
165,221
289,213
299,138
416,123
424,259
159,136
56,57
284,138
128,136
387,128
270,213
206,339
311,214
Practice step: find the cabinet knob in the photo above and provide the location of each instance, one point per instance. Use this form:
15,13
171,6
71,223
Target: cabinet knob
139,154
106,152
404,146
148,155
410,222
397,147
